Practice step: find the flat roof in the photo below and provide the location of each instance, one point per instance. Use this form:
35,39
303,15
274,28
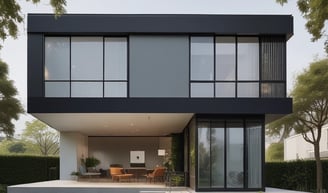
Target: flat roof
125,24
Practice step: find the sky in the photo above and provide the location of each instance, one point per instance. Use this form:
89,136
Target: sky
300,50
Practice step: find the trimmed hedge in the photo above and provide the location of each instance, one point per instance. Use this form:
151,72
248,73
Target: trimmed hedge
26,169
296,175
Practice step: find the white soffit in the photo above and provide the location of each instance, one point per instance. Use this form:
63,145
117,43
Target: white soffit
117,124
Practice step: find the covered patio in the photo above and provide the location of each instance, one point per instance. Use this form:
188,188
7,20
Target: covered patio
115,139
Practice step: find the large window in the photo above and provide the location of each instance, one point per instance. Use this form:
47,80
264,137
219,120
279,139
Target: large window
225,67
253,133
248,67
115,71
235,154
202,66
227,151
239,72
86,58
85,67
204,155
57,67
217,154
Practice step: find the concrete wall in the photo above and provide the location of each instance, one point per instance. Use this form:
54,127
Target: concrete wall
295,147
116,150
73,146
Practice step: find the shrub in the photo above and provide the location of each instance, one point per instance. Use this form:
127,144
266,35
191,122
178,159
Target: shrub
3,188
295,175
19,169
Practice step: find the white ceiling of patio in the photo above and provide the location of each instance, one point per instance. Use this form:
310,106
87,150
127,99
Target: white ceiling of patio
117,124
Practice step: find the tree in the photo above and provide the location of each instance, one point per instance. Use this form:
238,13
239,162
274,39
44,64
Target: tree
310,103
10,107
310,96
43,136
275,152
11,15
316,14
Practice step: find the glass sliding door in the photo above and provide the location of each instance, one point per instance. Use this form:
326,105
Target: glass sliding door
229,154
204,169
254,152
217,154
235,154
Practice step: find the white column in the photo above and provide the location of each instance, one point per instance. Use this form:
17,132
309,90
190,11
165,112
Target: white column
73,146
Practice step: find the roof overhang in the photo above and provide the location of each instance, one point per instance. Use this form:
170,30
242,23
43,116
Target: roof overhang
117,124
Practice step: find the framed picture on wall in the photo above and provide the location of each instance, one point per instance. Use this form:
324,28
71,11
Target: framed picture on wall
137,157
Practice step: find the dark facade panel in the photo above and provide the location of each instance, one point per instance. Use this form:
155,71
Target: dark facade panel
161,23
35,65
160,105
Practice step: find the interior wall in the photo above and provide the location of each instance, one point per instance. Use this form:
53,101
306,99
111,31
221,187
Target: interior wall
116,150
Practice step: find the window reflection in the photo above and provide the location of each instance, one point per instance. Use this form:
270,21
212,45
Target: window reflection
57,59
235,155
87,89
217,154
116,59
248,89
202,90
254,154
87,57
204,156
225,58
202,58
248,58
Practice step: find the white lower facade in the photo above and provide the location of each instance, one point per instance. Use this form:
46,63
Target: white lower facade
72,147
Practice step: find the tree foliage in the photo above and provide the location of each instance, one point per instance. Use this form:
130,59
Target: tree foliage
316,14
281,127
310,97
11,15
46,138
18,147
10,107
8,147
275,152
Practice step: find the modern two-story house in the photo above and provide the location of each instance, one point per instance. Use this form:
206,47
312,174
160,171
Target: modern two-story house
116,86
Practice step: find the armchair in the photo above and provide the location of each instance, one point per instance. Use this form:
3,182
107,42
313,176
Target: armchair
157,174
118,174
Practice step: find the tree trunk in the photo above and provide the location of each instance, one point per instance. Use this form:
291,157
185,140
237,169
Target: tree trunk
319,166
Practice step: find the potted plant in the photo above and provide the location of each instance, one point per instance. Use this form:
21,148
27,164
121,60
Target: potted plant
91,163
75,175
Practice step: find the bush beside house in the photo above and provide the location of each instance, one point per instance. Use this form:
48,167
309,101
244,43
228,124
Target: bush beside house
296,175
26,169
